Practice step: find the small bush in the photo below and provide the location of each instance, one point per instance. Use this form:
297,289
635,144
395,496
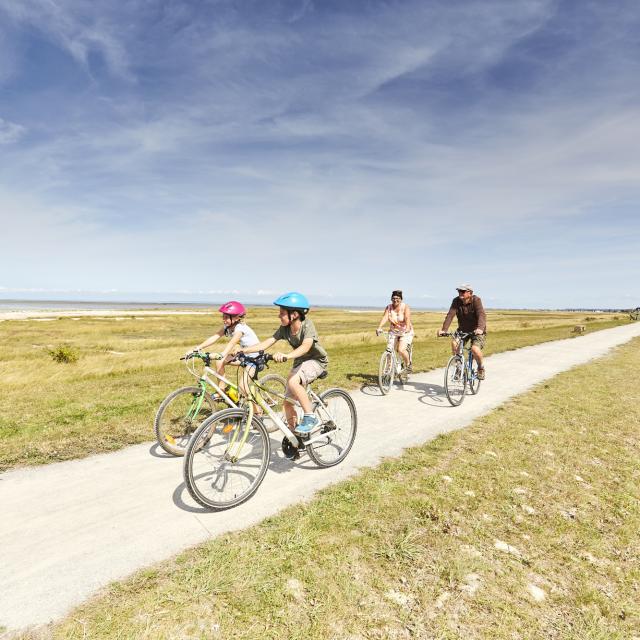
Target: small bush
590,319
64,353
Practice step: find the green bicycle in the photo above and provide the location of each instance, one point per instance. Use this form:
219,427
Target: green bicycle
228,455
184,409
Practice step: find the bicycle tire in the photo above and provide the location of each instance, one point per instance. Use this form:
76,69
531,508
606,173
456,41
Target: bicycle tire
340,435
173,424
455,388
273,382
474,381
212,479
386,372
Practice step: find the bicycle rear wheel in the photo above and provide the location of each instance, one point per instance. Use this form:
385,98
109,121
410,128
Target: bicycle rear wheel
455,380
179,416
273,387
340,423
403,375
386,372
220,471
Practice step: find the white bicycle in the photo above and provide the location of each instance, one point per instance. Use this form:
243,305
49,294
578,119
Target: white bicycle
391,364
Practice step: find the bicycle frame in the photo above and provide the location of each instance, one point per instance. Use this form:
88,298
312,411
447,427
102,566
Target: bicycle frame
204,380
254,397
468,360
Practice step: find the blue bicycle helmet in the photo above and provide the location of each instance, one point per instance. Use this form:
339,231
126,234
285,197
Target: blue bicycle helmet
293,300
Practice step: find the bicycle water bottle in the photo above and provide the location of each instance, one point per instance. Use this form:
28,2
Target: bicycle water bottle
233,394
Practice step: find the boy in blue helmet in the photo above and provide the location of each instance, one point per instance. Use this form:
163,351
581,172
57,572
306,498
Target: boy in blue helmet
310,360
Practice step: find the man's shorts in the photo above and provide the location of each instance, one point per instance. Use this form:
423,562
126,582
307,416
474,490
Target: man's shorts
477,340
308,371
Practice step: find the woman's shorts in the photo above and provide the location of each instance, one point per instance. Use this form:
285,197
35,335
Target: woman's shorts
403,339
308,371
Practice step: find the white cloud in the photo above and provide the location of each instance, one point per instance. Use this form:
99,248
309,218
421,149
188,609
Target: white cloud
10,131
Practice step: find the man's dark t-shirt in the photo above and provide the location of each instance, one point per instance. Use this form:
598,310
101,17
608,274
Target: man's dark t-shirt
471,316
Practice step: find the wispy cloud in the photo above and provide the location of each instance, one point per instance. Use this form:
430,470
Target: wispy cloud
10,132
373,137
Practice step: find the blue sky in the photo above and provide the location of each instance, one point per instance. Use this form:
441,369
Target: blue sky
205,150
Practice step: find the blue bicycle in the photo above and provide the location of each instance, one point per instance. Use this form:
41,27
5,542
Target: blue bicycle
462,370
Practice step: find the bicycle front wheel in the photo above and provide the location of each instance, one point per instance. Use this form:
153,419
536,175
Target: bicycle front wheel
339,425
474,381
455,380
179,415
273,387
386,372
225,463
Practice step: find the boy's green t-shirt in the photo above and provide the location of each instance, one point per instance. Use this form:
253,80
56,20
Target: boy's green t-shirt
307,330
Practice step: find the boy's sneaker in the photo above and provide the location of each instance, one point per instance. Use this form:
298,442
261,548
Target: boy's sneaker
480,373
458,374
308,425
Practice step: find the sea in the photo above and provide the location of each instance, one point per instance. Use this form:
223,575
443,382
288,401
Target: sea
85,305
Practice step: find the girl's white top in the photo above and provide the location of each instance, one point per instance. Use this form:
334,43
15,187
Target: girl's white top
247,335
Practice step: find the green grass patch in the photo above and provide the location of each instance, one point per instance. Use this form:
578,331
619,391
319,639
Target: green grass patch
104,386
524,525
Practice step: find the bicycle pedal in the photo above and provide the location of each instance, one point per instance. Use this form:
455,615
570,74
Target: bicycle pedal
291,452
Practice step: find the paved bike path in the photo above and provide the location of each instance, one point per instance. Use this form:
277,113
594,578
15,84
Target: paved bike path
68,529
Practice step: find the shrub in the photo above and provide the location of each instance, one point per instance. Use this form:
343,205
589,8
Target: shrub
64,353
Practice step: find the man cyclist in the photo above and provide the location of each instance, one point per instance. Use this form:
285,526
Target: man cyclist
310,358
472,319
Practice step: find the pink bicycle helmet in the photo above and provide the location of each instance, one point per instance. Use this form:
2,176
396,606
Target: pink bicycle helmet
233,308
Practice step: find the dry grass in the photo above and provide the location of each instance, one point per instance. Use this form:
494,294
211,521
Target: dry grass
525,525
52,411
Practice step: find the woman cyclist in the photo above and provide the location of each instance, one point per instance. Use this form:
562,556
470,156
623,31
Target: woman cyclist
398,314
233,327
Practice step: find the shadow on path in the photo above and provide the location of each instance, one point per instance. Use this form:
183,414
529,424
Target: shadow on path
369,384
278,463
158,452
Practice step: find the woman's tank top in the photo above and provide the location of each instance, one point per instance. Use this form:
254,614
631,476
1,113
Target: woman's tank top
397,318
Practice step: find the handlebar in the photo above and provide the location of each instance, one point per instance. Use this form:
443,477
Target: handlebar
455,334
205,357
258,361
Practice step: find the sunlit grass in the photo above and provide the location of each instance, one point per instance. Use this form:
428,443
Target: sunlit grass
524,525
127,364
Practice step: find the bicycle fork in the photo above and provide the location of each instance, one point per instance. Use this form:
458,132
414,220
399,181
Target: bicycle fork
197,401
232,454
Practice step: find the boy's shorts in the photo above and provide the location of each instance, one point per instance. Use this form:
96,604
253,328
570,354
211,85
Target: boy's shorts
308,371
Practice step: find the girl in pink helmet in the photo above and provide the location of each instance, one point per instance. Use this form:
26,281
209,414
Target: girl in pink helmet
234,327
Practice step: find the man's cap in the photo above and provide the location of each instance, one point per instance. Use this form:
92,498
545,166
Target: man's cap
464,287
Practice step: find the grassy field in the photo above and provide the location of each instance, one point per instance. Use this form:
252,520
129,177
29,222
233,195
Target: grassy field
523,526
126,365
